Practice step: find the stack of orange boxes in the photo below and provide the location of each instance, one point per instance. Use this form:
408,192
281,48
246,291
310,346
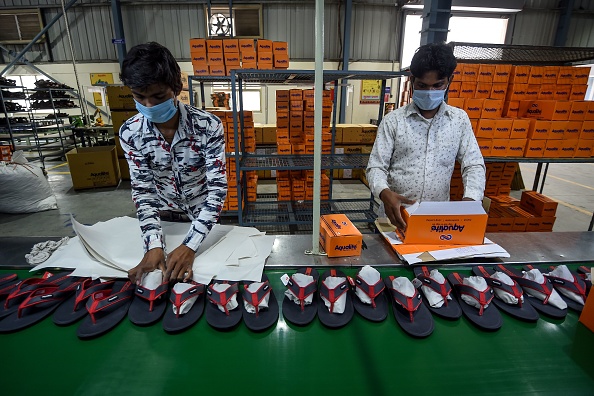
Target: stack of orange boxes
5,153
247,50
530,111
265,54
198,56
498,180
280,54
231,55
533,212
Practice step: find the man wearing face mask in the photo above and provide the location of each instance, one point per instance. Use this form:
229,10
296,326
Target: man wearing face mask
176,155
417,145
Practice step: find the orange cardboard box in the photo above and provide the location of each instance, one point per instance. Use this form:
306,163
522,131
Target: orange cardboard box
216,58
551,74
295,94
492,108
580,75
246,45
500,148
516,147
283,149
445,223
200,69
547,92
280,48
562,92
281,61
265,66
532,92
568,148
538,204
535,148
232,59
282,135
296,105
520,128
587,315
578,92
584,148
578,111
539,129
457,74
339,237
587,130
572,130
536,75
198,57
557,129
474,124
249,57
282,119
483,90
231,46
511,109
249,65
590,113
265,57
470,72
214,46
197,45
545,109
520,74
485,129
503,127
467,89
456,102
474,107
264,46
215,70
498,91
454,90
502,73
565,75
282,95
553,148
486,73
516,91
282,106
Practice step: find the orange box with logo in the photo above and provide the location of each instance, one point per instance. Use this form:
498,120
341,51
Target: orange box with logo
532,92
445,223
580,75
584,148
562,92
216,70
248,57
339,237
215,59
467,89
557,130
552,149
232,59
281,61
547,224
485,146
198,58
492,108
511,109
454,90
516,92
213,46
589,116
502,73
519,129
503,128
486,73
474,107
498,91
565,75
231,46
246,45
515,147
550,75
500,148
536,75
486,128
265,57
578,111
483,90
547,92
539,129
587,132
538,204
282,106
470,72
568,148
535,148
474,124
545,109
572,129
264,46
280,48
520,74
578,92
456,102
457,74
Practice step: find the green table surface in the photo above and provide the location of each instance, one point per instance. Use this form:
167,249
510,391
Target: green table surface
553,357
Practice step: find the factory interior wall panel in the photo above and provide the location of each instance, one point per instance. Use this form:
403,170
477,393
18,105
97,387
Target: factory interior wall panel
581,31
535,27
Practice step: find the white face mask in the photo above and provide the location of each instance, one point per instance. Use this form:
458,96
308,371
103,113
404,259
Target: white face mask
428,99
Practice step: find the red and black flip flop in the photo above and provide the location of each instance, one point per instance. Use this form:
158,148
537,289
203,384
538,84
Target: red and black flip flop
214,316
302,314
175,323
6,278
377,311
74,309
325,314
263,318
149,305
450,309
410,313
577,286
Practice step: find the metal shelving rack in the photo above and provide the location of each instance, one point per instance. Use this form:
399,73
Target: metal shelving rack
267,210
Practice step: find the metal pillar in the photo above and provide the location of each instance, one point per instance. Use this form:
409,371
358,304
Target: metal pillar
346,49
41,33
118,29
563,24
436,19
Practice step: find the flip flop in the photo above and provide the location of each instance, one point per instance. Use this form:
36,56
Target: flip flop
302,314
149,305
450,309
5,290
107,308
529,285
38,305
326,316
488,318
377,311
410,313
578,286
5,278
174,322
582,272
214,316
18,292
74,309
523,311
262,318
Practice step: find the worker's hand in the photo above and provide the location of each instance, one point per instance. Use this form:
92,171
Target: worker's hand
179,264
392,202
153,259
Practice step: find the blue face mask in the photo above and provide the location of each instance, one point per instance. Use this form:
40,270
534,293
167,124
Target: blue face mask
160,113
428,99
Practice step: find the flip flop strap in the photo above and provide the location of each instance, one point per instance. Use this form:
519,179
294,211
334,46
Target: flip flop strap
41,297
151,294
87,288
178,299
482,297
255,298
106,302
222,298
515,289
301,292
512,273
372,291
332,295
24,288
545,288
444,289
8,288
411,304
577,286
7,278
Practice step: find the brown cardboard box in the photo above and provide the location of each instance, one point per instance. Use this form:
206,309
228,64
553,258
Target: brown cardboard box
351,133
587,130
124,169
368,133
118,117
120,97
268,134
92,167
184,97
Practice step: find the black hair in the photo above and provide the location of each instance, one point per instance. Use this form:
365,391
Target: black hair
437,57
148,64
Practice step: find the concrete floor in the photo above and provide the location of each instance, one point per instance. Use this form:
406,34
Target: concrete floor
570,184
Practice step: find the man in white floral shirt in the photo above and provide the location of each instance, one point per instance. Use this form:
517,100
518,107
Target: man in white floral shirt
417,145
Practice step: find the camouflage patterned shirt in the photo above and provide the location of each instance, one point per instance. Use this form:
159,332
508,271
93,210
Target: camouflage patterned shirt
187,175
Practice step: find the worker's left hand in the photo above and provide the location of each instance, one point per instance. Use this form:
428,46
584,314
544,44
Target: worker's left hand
179,264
